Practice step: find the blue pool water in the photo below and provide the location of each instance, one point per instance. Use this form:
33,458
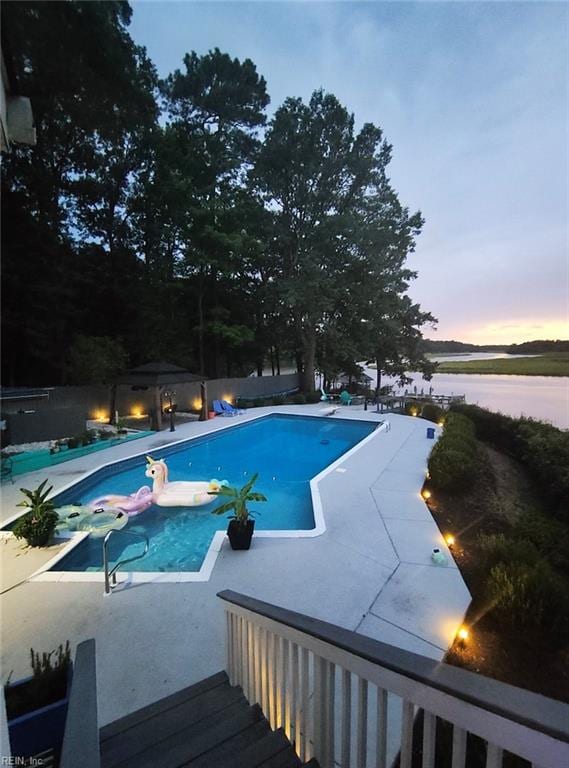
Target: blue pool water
286,451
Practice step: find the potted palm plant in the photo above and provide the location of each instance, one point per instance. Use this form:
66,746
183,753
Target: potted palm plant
241,524
37,525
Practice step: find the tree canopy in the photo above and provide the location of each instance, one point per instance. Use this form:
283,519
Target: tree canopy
174,217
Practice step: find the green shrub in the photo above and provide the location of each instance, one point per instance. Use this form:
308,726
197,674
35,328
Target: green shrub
499,549
457,423
37,525
243,403
279,400
454,460
450,469
104,434
299,399
313,397
549,536
258,402
73,442
531,596
432,412
541,447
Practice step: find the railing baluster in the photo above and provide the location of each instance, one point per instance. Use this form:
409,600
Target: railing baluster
319,711
250,663
278,681
406,734
265,698
256,664
331,722
273,681
381,729
361,739
295,702
245,656
228,646
458,747
234,633
493,756
286,687
305,725
346,718
429,739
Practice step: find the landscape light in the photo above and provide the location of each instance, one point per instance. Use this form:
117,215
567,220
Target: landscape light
196,404
441,423
136,412
449,538
462,636
228,398
426,494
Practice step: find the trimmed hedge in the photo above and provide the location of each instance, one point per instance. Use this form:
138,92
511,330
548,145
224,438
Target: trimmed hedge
541,447
432,412
454,461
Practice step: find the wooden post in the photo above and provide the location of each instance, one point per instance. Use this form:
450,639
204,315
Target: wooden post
203,394
156,417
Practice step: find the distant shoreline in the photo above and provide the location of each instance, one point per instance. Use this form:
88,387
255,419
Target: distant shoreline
556,364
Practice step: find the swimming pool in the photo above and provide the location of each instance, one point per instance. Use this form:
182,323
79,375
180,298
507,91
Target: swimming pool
287,451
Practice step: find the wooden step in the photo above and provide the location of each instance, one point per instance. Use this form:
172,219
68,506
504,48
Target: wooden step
187,717
272,743
227,754
167,702
182,748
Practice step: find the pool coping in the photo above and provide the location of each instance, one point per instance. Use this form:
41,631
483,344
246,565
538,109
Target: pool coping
45,574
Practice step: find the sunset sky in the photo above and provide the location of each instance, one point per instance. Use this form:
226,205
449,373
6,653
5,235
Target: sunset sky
474,98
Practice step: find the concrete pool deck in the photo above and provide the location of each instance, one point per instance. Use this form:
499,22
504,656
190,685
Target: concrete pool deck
370,571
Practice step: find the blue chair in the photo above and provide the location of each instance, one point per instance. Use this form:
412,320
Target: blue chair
219,409
228,408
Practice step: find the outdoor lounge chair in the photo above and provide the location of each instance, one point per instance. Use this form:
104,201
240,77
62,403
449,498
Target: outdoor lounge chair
347,399
230,409
219,410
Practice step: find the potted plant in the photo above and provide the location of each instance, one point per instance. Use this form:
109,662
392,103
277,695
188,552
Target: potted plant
37,706
241,524
37,525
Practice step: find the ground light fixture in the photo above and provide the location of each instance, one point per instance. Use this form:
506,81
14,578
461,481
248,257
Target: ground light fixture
462,636
426,494
449,538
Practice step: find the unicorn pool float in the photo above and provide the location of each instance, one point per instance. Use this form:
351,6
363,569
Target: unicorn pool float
181,493
112,512
163,493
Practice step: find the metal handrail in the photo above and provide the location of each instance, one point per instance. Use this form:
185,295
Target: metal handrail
112,574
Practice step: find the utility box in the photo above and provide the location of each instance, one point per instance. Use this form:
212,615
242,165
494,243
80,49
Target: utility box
431,433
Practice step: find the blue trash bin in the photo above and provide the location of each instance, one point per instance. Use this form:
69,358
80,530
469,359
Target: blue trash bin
431,433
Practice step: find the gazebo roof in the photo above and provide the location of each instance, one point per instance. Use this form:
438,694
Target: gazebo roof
158,373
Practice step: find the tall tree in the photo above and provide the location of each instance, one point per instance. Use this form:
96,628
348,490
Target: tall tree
334,209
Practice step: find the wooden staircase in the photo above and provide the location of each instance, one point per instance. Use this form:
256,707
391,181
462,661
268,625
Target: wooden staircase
208,725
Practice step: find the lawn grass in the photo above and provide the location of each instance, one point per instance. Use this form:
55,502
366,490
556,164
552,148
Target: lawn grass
554,364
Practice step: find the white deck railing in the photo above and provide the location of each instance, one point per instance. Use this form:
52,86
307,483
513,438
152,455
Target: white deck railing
338,694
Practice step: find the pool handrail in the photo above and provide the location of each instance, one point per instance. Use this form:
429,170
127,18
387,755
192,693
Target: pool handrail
111,575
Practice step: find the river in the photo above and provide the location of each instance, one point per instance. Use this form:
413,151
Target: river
542,397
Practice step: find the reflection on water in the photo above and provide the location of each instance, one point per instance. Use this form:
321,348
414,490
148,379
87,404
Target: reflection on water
542,397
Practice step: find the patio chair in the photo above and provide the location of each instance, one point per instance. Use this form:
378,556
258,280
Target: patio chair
219,409
345,397
230,409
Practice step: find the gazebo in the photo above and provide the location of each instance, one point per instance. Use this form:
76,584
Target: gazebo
156,376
